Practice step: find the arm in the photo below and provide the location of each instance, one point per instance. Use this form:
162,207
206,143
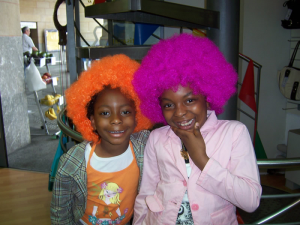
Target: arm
150,180
239,182
60,210
30,43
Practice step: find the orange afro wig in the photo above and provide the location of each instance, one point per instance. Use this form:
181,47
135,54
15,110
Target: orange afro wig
114,71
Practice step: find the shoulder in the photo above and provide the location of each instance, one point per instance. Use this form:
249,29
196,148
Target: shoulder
77,150
232,127
161,132
73,160
231,124
139,141
25,36
140,137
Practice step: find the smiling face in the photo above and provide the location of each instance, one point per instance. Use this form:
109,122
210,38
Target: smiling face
113,118
109,193
182,109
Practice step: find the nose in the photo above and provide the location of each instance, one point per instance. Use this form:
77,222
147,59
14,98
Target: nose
180,110
116,119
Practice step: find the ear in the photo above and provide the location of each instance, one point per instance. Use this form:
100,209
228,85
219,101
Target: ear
92,119
207,105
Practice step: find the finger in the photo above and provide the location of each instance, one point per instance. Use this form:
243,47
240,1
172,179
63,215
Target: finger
197,130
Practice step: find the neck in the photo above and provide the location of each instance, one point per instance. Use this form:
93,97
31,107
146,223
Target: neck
107,150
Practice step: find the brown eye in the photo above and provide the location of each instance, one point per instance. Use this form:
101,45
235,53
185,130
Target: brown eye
169,105
190,100
104,113
125,112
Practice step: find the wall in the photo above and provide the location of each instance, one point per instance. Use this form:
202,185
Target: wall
265,41
12,88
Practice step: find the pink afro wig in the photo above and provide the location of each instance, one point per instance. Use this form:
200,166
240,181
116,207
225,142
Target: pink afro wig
184,60
114,71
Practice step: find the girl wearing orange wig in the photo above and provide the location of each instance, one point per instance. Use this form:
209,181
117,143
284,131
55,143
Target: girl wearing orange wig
106,110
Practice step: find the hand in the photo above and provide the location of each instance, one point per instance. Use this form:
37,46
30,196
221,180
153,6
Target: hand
195,145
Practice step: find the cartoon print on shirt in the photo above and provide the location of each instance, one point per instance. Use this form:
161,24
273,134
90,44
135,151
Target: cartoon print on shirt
105,211
109,194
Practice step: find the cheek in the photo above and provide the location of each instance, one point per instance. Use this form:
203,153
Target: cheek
130,123
101,123
167,115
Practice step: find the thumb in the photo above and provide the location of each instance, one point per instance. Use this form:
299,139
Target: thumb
197,129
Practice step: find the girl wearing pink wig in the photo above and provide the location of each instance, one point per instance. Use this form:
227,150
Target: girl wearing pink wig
197,169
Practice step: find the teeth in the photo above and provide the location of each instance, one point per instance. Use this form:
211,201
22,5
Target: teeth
116,132
187,123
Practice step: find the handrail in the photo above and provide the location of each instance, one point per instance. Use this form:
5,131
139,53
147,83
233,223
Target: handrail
67,130
267,218
279,163
246,58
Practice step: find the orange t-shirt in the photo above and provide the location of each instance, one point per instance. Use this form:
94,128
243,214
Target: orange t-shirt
111,196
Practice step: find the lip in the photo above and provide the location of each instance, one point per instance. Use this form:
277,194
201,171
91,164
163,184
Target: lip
189,124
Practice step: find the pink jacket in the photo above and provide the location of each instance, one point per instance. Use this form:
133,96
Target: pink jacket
229,179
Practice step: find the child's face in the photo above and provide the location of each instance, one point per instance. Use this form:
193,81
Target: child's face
182,109
114,117
109,193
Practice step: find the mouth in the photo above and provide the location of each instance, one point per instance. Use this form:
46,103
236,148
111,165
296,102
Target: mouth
117,131
186,125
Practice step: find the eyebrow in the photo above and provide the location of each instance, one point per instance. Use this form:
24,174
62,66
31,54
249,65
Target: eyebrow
190,93
183,96
120,105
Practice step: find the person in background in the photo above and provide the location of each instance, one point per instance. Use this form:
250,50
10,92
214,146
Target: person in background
197,168
28,45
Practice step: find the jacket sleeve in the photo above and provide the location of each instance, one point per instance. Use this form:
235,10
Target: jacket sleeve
139,141
239,182
60,210
150,180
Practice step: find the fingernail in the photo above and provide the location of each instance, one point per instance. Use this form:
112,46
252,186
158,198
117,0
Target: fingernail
197,125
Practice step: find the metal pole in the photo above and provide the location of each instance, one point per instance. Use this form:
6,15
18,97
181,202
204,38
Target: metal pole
266,219
78,40
71,41
227,38
41,112
110,29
